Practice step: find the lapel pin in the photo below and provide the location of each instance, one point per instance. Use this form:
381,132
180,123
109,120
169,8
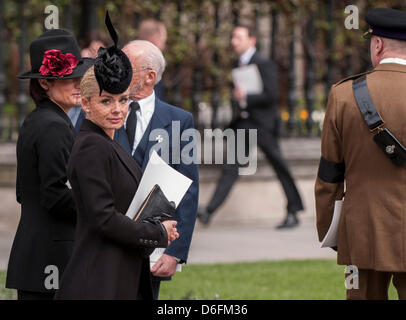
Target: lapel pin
159,138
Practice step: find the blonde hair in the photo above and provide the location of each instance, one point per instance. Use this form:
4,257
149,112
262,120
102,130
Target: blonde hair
88,85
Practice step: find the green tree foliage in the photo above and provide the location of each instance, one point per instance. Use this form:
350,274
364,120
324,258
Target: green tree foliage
196,42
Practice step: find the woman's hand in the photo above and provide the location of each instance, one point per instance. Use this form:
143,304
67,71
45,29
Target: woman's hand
170,226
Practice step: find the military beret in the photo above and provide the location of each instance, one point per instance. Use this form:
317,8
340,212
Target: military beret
387,23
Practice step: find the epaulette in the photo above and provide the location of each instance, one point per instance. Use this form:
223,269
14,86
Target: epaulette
354,76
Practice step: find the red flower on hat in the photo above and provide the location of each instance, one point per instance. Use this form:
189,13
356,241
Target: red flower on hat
55,63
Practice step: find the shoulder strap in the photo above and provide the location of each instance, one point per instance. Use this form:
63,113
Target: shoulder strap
352,77
365,103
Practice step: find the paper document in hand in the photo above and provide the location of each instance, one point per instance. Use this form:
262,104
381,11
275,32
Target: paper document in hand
331,238
158,252
249,78
173,184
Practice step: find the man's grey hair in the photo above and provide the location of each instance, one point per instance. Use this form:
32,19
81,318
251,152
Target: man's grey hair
151,56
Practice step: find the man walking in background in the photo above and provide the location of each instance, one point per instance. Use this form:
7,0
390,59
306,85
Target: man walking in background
256,111
357,149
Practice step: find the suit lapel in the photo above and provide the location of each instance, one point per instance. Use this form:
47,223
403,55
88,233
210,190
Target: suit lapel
122,154
128,161
121,137
142,146
253,58
160,119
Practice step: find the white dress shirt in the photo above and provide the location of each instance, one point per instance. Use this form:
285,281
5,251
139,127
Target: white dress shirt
393,60
244,60
247,55
144,115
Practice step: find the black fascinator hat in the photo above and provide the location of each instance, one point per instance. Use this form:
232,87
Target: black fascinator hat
112,67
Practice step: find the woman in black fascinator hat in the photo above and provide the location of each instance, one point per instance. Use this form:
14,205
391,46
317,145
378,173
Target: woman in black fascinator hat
110,259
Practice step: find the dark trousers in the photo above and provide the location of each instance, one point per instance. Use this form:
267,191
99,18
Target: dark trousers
374,285
156,284
29,295
268,143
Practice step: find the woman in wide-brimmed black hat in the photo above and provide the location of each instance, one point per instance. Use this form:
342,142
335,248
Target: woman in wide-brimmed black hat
44,238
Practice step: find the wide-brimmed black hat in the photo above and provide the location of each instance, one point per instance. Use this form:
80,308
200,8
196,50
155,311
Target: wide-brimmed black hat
387,23
112,67
56,55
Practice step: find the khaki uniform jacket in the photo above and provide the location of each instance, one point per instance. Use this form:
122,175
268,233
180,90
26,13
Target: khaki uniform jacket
372,228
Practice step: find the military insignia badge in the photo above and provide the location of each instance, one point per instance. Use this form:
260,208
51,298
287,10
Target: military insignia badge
368,34
390,149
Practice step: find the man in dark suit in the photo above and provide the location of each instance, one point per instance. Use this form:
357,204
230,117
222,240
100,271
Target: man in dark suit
256,111
149,64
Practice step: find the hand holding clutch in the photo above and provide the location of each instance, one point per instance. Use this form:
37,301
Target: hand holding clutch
156,207
170,226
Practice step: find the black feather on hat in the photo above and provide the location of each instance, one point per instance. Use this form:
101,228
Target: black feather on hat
112,67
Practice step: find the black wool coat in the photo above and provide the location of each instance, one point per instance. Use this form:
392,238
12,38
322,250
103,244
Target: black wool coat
110,258
46,229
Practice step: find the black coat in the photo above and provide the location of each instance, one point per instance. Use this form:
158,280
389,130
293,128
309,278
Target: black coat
46,229
110,258
262,108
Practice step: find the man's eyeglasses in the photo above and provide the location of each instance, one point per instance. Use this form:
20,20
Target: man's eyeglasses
141,69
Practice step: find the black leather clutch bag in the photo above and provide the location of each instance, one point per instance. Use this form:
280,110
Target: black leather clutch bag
156,207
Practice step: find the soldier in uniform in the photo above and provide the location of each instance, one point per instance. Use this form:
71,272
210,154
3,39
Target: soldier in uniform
355,161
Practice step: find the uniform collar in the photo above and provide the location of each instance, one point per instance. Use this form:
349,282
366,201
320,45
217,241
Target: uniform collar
390,67
393,60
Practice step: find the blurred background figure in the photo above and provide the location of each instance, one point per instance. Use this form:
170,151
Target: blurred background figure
92,42
256,111
154,31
